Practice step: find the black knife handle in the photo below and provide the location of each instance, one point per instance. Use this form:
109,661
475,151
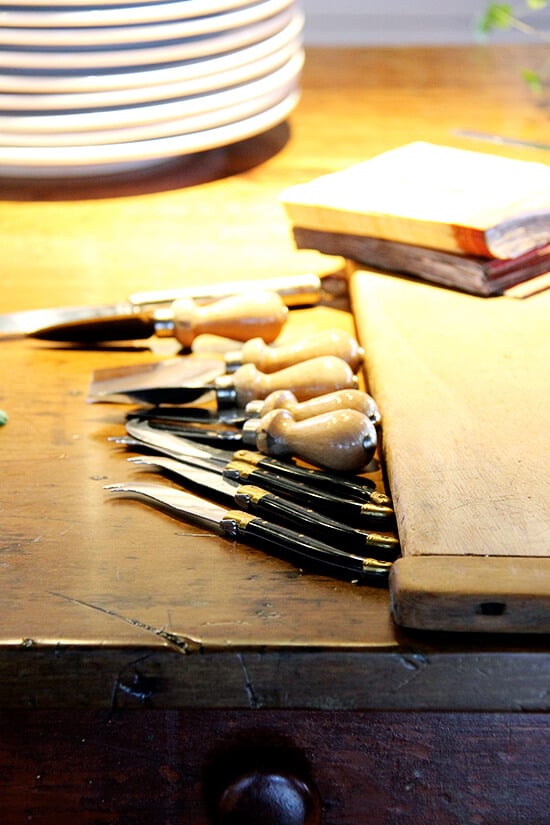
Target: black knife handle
280,510
302,550
353,513
358,488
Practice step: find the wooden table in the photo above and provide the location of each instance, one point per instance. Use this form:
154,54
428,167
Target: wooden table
141,660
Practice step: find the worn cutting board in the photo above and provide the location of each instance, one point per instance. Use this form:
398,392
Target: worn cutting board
463,384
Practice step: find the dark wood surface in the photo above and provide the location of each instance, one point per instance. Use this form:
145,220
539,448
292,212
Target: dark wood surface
100,585
370,768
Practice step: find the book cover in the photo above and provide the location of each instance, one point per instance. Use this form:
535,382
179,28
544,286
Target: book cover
455,200
476,275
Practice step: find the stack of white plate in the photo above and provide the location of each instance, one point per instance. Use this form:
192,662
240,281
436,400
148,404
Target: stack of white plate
117,85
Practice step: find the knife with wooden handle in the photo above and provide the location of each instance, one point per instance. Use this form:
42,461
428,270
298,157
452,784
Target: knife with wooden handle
306,380
240,317
272,358
340,400
245,527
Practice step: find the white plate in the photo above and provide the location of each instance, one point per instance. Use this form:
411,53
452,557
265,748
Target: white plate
114,12
145,54
123,36
43,83
156,128
123,157
196,7
149,94
123,117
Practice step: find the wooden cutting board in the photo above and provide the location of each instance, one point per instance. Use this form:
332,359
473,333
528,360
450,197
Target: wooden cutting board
463,384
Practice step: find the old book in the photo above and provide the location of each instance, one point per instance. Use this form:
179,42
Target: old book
478,276
434,196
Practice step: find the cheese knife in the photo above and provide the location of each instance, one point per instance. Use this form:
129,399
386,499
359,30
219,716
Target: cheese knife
245,527
358,488
341,441
239,317
295,290
276,508
340,497
317,376
174,418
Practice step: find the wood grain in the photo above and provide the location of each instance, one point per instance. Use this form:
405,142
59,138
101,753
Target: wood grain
94,768
463,384
94,590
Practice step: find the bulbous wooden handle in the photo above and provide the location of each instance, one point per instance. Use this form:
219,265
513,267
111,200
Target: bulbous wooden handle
241,317
259,798
339,400
269,359
309,379
344,440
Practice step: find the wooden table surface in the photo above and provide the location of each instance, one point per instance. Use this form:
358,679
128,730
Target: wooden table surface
92,586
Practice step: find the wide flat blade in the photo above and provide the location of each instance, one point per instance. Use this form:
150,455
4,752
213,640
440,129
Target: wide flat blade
186,376
128,327
17,324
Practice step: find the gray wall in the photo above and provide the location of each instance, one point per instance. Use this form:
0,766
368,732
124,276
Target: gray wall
389,22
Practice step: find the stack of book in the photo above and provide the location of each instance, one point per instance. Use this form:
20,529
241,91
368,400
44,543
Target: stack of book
468,220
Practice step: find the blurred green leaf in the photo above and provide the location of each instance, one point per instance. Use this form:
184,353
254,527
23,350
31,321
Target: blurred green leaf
533,80
537,4
496,16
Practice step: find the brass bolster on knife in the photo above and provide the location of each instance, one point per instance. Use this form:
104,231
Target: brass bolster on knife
248,494
234,521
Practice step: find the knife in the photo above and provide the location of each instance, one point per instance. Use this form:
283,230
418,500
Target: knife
269,358
173,418
274,508
342,440
334,499
357,488
239,317
317,376
244,527
352,399
178,371
298,290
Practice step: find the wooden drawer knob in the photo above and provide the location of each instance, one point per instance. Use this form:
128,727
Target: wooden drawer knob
269,799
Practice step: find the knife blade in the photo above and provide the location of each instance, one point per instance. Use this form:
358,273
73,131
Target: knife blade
239,317
297,290
275,508
244,527
334,499
316,376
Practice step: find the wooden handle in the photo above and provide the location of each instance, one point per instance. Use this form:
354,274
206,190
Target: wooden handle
344,440
317,376
269,798
339,400
269,359
241,317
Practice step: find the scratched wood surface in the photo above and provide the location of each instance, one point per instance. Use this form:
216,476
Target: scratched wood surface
464,386
94,591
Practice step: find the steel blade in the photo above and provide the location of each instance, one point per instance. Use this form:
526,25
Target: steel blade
126,327
183,374
178,447
19,324
210,479
196,510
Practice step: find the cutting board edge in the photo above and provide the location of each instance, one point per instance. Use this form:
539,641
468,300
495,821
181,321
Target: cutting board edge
471,594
